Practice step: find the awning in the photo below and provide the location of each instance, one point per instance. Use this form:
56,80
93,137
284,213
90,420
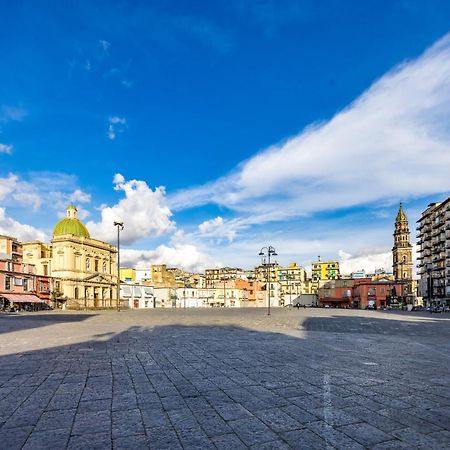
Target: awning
22,298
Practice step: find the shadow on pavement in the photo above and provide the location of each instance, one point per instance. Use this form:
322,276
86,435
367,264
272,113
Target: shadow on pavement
10,322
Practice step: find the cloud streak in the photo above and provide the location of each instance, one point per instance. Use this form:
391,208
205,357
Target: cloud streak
392,142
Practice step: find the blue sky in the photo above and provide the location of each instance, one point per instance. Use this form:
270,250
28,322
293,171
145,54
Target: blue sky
267,122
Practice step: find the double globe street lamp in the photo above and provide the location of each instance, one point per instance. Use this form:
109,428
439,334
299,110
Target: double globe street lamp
266,253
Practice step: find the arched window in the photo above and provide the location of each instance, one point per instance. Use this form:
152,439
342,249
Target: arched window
88,264
76,293
404,258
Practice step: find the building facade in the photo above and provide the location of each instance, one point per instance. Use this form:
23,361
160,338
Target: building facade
19,284
10,248
83,269
216,276
433,241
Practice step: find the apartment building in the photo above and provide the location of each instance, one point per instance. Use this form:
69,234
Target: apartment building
433,241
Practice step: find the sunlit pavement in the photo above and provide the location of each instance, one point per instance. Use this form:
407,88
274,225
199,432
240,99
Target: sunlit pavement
307,379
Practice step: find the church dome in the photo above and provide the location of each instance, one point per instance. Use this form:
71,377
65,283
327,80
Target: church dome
71,225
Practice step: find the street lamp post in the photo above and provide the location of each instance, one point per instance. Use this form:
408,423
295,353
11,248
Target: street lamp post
119,226
267,251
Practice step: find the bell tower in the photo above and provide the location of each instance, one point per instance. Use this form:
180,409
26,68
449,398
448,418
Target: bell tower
402,250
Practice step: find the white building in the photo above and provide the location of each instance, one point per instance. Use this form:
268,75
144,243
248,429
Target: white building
137,296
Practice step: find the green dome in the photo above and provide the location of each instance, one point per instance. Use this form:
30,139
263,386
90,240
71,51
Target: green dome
70,225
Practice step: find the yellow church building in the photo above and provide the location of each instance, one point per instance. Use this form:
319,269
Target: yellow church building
83,270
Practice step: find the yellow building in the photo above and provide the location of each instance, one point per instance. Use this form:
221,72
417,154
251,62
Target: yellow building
163,277
127,275
324,271
291,280
84,270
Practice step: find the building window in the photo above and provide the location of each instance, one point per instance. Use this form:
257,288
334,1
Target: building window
96,265
7,283
45,268
25,284
88,264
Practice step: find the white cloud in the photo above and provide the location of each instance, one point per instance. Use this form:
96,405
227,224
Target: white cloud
11,227
143,211
185,256
7,185
369,262
218,228
393,142
116,125
78,196
18,192
14,190
104,45
4,148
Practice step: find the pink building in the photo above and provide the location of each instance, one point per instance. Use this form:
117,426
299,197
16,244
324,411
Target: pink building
18,284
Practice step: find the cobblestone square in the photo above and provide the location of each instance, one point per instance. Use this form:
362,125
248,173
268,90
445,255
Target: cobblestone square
225,379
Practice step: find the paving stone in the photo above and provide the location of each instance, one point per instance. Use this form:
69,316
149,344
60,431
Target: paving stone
94,405
92,422
333,437
277,420
195,439
413,437
228,441
379,421
364,433
163,438
303,440
14,438
252,431
299,414
90,441
394,445
44,440
154,417
55,420
135,442
232,411
127,423
274,445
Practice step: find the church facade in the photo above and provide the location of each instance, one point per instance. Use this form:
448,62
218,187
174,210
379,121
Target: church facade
83,270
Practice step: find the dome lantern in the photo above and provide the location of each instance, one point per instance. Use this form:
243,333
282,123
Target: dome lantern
71,225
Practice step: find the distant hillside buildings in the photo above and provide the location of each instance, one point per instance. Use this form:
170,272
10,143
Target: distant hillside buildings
77,271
